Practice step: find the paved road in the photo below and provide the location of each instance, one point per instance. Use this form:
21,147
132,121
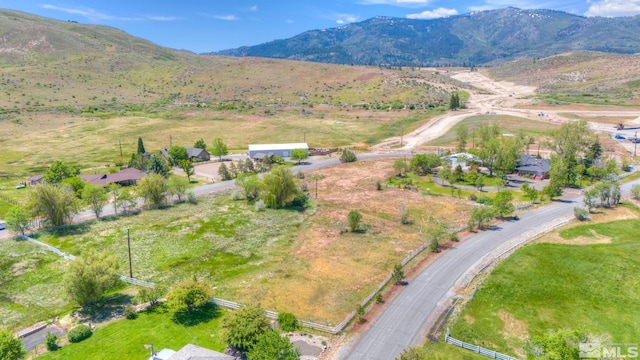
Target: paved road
404,323
205,190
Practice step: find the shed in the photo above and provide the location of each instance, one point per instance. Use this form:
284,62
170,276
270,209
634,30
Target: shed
283,150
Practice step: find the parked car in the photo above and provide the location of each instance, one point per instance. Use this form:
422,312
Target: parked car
619,137
2,225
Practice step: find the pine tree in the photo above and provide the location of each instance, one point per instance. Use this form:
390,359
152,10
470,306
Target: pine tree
140,146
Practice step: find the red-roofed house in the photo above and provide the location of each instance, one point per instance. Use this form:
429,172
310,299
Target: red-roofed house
126,177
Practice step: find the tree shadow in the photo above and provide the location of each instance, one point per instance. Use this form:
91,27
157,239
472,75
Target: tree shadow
201,315
72,229
111,307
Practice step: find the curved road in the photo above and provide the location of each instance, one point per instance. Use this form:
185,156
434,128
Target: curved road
408,317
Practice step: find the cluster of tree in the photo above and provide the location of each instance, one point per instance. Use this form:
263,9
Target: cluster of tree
189,296
277,189
247,330
501,205
235,170
577,154
10,347
607,192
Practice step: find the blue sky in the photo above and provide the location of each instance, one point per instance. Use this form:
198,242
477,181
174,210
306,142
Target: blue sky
202,26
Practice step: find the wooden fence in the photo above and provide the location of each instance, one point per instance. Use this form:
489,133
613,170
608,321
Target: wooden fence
476,348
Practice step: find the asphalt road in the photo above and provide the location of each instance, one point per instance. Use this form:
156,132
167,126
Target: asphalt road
205,190
403,323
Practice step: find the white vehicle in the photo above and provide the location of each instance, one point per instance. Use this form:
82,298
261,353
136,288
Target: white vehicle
2,225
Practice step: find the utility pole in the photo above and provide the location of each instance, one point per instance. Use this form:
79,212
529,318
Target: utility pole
120,142
304,136
635,143
401,136
129,246
170,143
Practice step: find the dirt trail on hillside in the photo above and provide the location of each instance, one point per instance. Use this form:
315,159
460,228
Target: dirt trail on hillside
492,97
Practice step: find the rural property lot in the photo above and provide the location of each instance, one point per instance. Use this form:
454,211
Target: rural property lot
301,262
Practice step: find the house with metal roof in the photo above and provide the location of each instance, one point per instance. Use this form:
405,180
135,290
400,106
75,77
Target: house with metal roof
126,177
530,165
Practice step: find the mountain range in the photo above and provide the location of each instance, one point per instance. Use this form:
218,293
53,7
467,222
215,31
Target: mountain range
478,38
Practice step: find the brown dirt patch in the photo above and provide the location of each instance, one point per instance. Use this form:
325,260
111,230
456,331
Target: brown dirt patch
329,271
24,266
513,327
469,319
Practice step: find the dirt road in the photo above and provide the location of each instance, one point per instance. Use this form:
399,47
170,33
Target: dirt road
492,97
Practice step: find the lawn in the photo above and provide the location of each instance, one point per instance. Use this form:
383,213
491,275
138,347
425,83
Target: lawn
126,339
508,125
586,281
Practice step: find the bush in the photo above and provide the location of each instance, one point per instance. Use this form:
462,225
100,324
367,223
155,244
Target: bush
354,218
360,314
378,185
484,200
473,197
51,341
300,200
191,198
236,195
260,205
287,321
130,312
379,299
348,156
300,175
434,246
79,333
581,214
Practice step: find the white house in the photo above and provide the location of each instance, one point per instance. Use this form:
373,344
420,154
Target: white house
258,151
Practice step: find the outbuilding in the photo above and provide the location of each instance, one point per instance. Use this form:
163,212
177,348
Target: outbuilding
282,150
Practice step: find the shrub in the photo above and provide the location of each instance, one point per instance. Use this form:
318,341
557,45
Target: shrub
360,314
348,156
581,214
79,333
287,321
379,299
434,246
484,200
397,274
300,175
51,341
130,312
191,198
378,185
236,195
300,200
354,218
473,197
260,205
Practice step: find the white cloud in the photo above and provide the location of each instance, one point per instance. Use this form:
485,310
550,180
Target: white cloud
254,8
343,19
226,17
88,13
401,3
614,8
433,14
162,18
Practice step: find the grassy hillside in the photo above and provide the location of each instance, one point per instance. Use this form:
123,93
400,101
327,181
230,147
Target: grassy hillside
578,77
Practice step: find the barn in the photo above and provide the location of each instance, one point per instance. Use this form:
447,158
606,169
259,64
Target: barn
259,151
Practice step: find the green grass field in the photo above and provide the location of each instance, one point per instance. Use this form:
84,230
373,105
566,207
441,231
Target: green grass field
508,125
547,286
31,285
126,339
